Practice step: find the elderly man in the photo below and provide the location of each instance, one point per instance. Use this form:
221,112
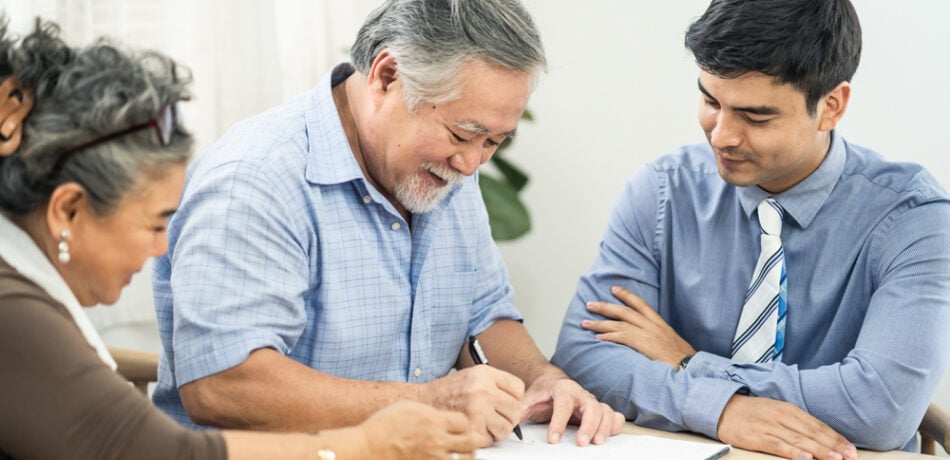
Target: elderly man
333,255
787,289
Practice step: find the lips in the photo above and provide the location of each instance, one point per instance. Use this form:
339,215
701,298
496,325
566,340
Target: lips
726,161
439,181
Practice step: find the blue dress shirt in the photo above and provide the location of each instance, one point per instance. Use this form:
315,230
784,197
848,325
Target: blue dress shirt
281,242
867,248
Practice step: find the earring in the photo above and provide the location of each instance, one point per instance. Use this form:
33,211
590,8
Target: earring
64,246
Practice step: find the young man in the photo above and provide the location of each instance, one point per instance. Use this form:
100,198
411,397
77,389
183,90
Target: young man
785,290
333,255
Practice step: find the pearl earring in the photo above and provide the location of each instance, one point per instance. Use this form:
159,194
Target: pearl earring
64,246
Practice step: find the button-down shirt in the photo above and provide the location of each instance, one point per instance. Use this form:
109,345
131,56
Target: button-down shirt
867,252
281,242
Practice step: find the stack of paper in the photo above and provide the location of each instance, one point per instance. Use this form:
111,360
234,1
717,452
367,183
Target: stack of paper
625,446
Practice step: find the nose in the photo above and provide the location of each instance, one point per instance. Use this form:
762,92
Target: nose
726,133
469,158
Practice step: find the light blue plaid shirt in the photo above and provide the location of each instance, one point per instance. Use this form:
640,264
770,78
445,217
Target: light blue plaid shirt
867,252
281,242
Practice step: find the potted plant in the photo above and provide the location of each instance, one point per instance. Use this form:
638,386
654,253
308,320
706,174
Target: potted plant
507,214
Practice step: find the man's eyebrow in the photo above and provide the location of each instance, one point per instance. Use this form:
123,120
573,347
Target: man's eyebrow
703,90
753,109
477,128
167,213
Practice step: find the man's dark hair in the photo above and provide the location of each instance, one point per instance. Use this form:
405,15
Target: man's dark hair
814,45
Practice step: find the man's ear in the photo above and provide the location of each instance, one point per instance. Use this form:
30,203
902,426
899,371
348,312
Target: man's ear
382,73
66,203
832,106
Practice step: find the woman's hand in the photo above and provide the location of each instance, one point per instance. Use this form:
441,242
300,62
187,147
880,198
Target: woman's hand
410,430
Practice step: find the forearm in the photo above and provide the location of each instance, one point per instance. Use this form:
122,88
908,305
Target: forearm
270,391
651,393
246,445
865,397
510,348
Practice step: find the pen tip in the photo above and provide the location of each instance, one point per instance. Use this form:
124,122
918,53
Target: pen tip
518,432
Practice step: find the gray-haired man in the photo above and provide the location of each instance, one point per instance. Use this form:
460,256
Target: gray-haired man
333,255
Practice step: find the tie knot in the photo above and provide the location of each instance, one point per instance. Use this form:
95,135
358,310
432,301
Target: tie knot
770,217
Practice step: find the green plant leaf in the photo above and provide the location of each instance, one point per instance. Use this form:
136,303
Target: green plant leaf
507,215
513,174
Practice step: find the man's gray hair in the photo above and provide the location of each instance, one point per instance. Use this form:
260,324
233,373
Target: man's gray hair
431,40
82,95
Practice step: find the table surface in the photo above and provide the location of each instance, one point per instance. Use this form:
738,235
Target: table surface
739,454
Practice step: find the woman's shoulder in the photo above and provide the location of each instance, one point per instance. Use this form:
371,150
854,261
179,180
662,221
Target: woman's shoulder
20,295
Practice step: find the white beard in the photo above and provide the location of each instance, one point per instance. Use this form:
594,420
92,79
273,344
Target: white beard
418,196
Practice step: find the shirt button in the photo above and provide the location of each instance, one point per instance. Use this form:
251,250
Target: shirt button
418,372
367,199
395,226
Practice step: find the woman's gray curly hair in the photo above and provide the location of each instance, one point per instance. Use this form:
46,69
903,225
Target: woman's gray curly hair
82,94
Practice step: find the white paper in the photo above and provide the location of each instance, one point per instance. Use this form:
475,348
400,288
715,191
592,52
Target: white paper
625,446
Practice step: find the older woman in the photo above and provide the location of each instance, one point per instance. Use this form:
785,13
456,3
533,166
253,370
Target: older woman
83,203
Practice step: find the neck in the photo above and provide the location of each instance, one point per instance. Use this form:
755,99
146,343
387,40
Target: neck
347,98
34,225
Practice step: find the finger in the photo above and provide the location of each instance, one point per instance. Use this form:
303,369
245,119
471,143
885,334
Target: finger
504,381
601,326
618,421
606,427
590,415
464,444
618,338
636,303
562,409
499,427
614,311
823,436
456,422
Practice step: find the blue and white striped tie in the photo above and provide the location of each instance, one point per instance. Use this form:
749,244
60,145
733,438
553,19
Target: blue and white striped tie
760,335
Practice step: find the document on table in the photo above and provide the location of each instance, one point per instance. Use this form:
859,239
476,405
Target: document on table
625,446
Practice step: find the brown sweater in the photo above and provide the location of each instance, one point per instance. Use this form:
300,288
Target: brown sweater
59,401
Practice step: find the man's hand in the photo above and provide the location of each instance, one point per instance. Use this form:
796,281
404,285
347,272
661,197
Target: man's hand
15,104
637,326
780,428
556,398
489,397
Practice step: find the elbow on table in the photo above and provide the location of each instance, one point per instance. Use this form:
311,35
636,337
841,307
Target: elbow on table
884,432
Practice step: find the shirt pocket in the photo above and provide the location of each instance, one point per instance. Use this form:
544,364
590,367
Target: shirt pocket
449,298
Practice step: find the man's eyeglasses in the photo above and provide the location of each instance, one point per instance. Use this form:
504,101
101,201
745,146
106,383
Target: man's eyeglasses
163,122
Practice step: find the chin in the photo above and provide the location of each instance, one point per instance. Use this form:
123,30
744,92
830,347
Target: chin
109,299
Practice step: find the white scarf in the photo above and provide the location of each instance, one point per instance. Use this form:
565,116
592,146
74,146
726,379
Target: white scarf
19,250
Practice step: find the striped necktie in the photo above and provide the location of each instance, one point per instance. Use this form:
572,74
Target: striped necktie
760,335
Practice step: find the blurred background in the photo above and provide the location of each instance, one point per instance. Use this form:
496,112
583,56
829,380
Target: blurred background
621,90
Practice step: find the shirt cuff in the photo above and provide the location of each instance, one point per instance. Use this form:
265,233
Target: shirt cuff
704,364
704,404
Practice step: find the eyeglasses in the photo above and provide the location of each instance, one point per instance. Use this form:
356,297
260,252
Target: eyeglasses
163,122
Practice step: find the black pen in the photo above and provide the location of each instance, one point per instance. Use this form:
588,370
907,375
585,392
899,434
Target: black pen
478,356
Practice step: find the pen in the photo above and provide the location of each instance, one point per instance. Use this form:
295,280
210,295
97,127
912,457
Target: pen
478,356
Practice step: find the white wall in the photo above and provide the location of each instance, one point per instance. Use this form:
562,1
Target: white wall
621,90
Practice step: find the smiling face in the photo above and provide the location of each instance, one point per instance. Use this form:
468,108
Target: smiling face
762,133
414,157
107,251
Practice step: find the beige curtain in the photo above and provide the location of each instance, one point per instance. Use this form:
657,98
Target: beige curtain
245,56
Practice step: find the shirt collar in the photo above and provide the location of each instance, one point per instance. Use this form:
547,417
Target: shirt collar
330,159
803,201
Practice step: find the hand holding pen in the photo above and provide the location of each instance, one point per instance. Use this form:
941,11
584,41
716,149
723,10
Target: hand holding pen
478,356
